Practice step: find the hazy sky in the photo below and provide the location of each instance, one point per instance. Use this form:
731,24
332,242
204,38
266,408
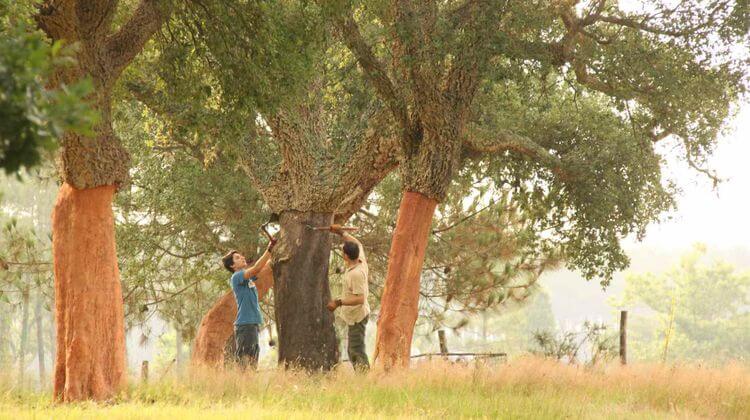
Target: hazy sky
716,217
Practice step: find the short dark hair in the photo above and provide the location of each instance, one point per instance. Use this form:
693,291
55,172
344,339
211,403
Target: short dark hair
351,249
228,260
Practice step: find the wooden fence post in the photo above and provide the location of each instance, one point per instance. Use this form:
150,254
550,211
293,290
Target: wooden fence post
443,343
623,337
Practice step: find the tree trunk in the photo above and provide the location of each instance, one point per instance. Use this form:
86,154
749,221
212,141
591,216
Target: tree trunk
90,351
178,347
90,360
307,338
24,336
40,341
400,301
217,326
4,336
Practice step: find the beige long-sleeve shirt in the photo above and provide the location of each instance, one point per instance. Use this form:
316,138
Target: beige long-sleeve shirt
356,283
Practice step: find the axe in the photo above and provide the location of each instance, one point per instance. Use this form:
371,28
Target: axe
264,227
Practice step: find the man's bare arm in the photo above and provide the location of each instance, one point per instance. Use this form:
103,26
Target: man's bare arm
346,236
353,300
349,300
255,269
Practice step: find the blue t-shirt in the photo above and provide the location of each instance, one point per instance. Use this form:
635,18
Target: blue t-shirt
246,295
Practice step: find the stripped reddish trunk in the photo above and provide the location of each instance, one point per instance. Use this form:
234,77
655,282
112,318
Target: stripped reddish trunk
218,323
400,300
90,360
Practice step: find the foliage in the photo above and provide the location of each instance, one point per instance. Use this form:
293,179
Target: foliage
568,346
33,116
709,301
508,215
175,222
565,102
184,211
190,201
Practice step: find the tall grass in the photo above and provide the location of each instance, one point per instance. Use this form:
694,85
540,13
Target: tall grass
524,388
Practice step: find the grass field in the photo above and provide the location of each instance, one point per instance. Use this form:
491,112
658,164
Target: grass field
523,388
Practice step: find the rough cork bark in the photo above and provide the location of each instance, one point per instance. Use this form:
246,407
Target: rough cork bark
431,164
400,301
430,104
307,338
90,360
217,326
380,156
310,188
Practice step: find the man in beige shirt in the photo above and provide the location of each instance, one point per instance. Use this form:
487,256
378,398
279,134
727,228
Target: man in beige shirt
355,309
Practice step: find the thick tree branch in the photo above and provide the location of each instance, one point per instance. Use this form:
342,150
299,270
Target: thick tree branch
506,141
463,77
267,190
56,19
125,44
93,17
290,131
413,31
371,163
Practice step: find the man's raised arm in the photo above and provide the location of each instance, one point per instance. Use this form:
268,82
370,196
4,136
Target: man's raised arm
262,261
346,236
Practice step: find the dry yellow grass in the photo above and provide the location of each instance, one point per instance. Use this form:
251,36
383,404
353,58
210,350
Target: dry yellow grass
523,388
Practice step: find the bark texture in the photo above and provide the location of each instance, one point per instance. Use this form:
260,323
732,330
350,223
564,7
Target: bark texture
217,326
310,190
90,361
400,300
430,165
307,338
430,103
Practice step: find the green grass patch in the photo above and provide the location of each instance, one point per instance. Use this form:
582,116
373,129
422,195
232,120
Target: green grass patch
526,388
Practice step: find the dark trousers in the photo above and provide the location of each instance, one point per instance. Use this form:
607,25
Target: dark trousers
356,347
248,350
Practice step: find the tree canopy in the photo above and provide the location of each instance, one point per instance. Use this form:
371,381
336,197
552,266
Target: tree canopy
558,150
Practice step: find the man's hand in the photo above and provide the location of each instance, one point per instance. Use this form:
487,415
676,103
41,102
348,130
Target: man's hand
337,229
332,305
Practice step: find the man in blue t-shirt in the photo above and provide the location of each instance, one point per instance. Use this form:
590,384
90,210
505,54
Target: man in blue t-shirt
249,319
